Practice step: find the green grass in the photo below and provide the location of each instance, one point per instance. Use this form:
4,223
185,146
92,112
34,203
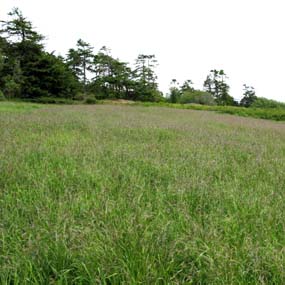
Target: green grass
276,114
12,107
132,195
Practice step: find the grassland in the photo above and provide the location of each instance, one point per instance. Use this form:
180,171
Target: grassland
17,107
132,195
276,114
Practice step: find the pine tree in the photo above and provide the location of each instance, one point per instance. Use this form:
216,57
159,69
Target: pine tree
216,85
80,61
29,71
248,96
19,28
146,86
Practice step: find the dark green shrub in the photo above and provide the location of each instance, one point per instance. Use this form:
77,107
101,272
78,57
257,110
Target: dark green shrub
91,100
79,97
149,95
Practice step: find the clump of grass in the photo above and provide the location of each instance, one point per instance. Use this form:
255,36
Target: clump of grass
111,194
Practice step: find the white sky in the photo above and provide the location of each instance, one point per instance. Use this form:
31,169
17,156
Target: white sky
189,37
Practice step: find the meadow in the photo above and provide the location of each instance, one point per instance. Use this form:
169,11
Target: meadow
113,194
267,113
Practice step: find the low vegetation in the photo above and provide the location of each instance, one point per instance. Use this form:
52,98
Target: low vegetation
267,103
277,114
109,194
17,107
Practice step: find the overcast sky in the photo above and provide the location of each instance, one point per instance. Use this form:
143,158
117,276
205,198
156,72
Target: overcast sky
246,38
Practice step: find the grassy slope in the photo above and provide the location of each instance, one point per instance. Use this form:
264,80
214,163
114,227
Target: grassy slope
276,114
132,195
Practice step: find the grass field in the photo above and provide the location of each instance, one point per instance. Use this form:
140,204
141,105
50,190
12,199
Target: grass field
132,195
17,107
276,114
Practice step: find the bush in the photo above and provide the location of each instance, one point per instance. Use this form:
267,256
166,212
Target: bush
2,97
266,103
149,95
91,100
83,97
11,89
197,97
175,95
79,97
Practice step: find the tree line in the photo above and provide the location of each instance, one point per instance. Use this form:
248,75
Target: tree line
28,71
215,92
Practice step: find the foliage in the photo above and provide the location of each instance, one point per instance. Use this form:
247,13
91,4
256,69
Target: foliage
197,97
27,70
267,103
186,94
174,95
187,86
144,71
11,88
19,29
149,94
145,87
2,97
216,85
249,96
91,100
1,59
113,78
174,92
80,61
79,96
50,100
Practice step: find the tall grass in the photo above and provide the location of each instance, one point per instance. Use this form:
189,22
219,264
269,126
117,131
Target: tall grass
132,195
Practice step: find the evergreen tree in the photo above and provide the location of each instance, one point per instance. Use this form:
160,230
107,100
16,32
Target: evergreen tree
19,28
144,71
187,86
216,85
74,62
175,92
1,60
145,78
23,49
248,96
80,61
29,71
113,78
